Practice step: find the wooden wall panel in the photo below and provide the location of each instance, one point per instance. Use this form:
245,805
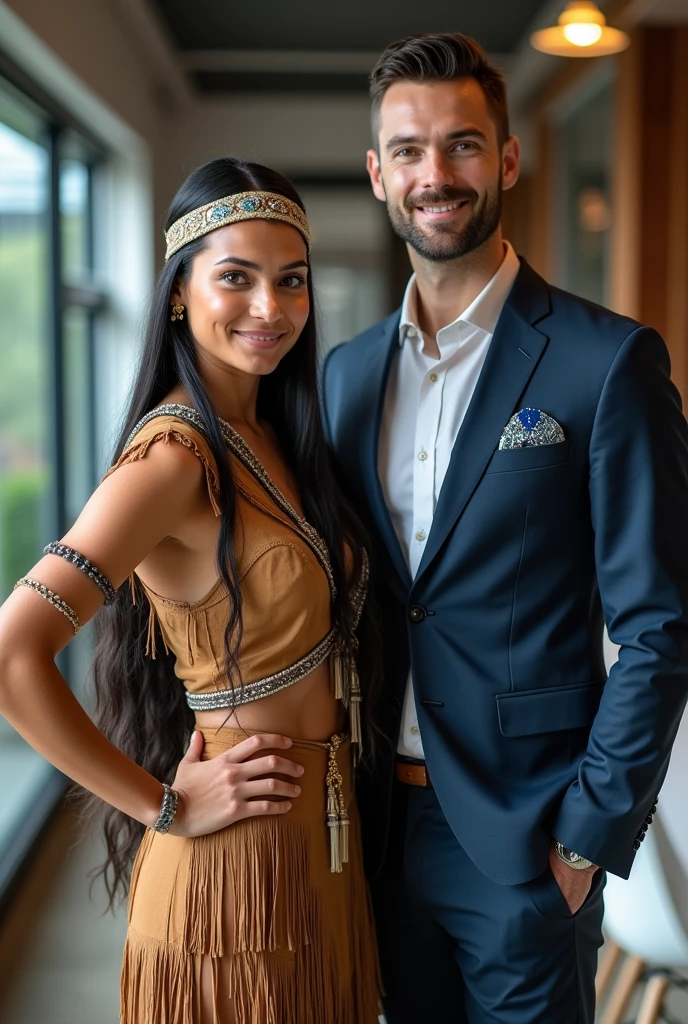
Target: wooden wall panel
656,110
625,229
676,284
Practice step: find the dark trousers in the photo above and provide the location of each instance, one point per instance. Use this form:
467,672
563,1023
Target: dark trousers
457,948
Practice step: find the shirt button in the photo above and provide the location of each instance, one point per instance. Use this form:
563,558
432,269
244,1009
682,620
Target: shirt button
414,730
422,455
420,535
434,378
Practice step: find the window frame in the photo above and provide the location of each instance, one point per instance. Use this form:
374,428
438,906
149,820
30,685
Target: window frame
91,297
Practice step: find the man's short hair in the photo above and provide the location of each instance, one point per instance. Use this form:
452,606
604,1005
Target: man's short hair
439,58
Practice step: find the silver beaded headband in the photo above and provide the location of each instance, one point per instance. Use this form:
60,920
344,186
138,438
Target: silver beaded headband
243,206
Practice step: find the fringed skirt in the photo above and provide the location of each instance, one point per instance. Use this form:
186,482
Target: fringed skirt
250,925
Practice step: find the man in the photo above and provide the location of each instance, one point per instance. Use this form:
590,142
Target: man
523,461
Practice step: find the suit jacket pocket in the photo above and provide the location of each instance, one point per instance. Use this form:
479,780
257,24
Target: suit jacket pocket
555,708
537,456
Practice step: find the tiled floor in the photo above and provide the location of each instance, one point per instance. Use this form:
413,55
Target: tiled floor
60,957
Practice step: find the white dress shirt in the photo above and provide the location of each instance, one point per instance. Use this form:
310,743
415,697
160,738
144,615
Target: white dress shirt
425,403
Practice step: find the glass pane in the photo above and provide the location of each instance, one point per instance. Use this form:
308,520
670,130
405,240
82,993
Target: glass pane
75,220
25,474
585,155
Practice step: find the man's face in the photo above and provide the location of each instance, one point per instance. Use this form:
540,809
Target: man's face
441,169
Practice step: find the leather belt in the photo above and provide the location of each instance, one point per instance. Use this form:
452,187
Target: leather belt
412,774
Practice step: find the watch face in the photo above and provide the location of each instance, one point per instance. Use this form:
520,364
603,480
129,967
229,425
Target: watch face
574,860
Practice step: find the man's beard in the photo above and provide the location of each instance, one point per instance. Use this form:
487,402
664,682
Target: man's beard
445,241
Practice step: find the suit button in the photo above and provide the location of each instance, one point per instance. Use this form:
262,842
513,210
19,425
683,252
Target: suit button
648,820
636,845
416,613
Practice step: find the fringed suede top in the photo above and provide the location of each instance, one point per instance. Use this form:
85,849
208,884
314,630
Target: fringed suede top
286,579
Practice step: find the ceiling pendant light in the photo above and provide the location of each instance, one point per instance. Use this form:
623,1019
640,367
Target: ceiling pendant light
582,32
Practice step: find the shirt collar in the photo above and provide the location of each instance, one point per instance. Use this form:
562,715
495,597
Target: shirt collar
485,310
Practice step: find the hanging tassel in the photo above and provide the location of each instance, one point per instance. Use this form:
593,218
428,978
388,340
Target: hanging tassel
344,835
339,674
333,826
355,712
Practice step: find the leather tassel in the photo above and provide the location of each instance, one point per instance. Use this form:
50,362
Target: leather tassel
344,836
339,671
333,826
355,717
355,708
150,638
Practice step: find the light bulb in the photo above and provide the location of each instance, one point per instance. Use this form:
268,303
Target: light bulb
582,33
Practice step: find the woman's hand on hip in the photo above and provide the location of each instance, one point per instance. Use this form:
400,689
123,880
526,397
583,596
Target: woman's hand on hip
240,783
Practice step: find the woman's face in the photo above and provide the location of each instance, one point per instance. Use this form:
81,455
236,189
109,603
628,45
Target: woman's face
247,296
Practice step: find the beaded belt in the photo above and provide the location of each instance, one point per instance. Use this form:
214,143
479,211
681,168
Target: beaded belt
248,692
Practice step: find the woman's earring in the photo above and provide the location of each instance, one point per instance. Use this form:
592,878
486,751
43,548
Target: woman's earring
177,313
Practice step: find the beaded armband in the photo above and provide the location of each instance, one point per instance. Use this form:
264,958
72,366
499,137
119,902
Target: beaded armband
168,810
87,568
54,599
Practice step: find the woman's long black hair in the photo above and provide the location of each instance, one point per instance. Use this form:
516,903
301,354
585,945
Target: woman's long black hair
140,704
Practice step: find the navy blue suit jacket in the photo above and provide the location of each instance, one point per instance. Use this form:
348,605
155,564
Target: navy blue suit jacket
531,550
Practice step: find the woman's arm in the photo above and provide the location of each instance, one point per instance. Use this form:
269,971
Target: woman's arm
127,516
134,509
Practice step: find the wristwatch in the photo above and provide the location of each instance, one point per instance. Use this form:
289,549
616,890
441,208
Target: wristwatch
574,860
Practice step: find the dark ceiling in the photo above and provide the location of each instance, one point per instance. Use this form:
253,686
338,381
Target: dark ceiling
314,25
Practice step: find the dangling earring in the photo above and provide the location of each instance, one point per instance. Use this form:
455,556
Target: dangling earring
177,313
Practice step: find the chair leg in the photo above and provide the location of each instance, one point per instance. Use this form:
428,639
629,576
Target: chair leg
653,1000
623,990
605,971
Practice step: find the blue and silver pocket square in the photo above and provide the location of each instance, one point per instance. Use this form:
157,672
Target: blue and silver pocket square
530,427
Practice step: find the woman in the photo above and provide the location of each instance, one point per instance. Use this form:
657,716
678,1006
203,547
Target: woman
247,580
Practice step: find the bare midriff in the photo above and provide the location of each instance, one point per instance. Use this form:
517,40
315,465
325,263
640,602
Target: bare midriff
306,711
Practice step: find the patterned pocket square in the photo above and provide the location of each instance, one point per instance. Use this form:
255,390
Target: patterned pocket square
530,427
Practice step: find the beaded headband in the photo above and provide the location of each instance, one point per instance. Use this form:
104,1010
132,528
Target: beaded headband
243,206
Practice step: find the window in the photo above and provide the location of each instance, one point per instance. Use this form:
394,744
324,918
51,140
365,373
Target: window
49,305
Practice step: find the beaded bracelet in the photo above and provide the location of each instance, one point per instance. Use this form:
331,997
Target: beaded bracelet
167,810
84,565
54,599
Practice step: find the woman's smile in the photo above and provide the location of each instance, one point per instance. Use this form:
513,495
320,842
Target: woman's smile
261,339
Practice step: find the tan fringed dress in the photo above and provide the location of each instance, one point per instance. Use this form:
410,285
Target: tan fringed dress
266,921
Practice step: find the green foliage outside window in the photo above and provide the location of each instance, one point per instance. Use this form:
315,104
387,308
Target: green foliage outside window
21,504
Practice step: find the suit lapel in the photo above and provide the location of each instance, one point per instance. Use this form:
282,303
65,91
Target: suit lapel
373,386
514,352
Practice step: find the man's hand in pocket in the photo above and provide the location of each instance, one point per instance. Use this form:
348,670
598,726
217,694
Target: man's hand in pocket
575,885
